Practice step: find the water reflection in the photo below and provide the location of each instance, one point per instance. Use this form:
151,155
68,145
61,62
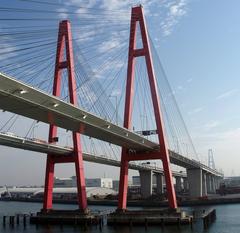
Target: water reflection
228,221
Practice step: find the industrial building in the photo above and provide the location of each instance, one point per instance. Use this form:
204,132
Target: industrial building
60,193
64,188
233,181
90,182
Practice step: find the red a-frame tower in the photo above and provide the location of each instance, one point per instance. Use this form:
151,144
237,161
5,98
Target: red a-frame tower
65,41
138,17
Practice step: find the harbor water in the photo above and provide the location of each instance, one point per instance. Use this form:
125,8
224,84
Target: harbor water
228,221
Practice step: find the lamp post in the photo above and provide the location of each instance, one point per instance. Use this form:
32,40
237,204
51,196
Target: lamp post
116,102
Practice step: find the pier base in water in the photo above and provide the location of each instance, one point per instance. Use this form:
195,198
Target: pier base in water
74,217
149,217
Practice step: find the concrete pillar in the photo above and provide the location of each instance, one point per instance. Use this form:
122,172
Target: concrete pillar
159,180
208,183
217,182
185,184
204,183
195,182
212,183
178,184
146,183
219,179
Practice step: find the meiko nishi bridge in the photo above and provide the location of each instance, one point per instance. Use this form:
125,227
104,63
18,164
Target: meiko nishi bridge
26,100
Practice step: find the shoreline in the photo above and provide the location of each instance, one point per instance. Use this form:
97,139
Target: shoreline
137,203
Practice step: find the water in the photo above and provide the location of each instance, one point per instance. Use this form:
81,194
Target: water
228,221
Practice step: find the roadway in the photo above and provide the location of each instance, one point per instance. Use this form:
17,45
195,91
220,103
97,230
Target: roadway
44,147
22,99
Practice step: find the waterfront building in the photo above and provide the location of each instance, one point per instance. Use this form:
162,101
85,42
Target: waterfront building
115,185
90,182
232,181
60,193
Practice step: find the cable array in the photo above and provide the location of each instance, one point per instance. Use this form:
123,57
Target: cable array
100,46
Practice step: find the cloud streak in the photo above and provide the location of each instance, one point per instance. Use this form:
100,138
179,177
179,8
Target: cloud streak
211,125
196,110
169,11
227,94
176,9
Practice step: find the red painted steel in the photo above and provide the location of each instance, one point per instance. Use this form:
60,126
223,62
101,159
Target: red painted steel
138,17
65,41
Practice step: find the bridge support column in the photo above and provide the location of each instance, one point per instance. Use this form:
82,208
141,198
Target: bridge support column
178,184
185,184
146,183
218,182
159,179
195,182
208,178
212,183
204,184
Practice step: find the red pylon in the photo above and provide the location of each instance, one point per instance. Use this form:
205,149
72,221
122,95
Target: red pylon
65,41
138,17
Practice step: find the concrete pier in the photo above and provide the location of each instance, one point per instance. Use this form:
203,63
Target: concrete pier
195,182
185,184
212,184
146,183
209,184
64,217
149,217
204,184
159,180
178,184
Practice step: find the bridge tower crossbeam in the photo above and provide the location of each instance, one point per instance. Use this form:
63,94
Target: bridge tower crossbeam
65,41
137,17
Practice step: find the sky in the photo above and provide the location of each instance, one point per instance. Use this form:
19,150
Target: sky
198,44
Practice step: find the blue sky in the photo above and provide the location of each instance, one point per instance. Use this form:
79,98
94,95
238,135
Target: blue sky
198,44
201,58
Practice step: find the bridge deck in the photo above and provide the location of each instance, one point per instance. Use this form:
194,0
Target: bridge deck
38,146
27,101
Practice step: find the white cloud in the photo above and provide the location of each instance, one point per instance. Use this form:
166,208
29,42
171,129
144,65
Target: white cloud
212,124
116,92
176,10
180,88
106,45
114,4
196,110
86,4
62,13
227,94
225,145
169,11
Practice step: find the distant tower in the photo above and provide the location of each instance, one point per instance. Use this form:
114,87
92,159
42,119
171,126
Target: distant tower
211,163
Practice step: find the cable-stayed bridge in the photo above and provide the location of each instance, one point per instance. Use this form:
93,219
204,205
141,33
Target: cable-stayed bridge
27,101
26,80
44,147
